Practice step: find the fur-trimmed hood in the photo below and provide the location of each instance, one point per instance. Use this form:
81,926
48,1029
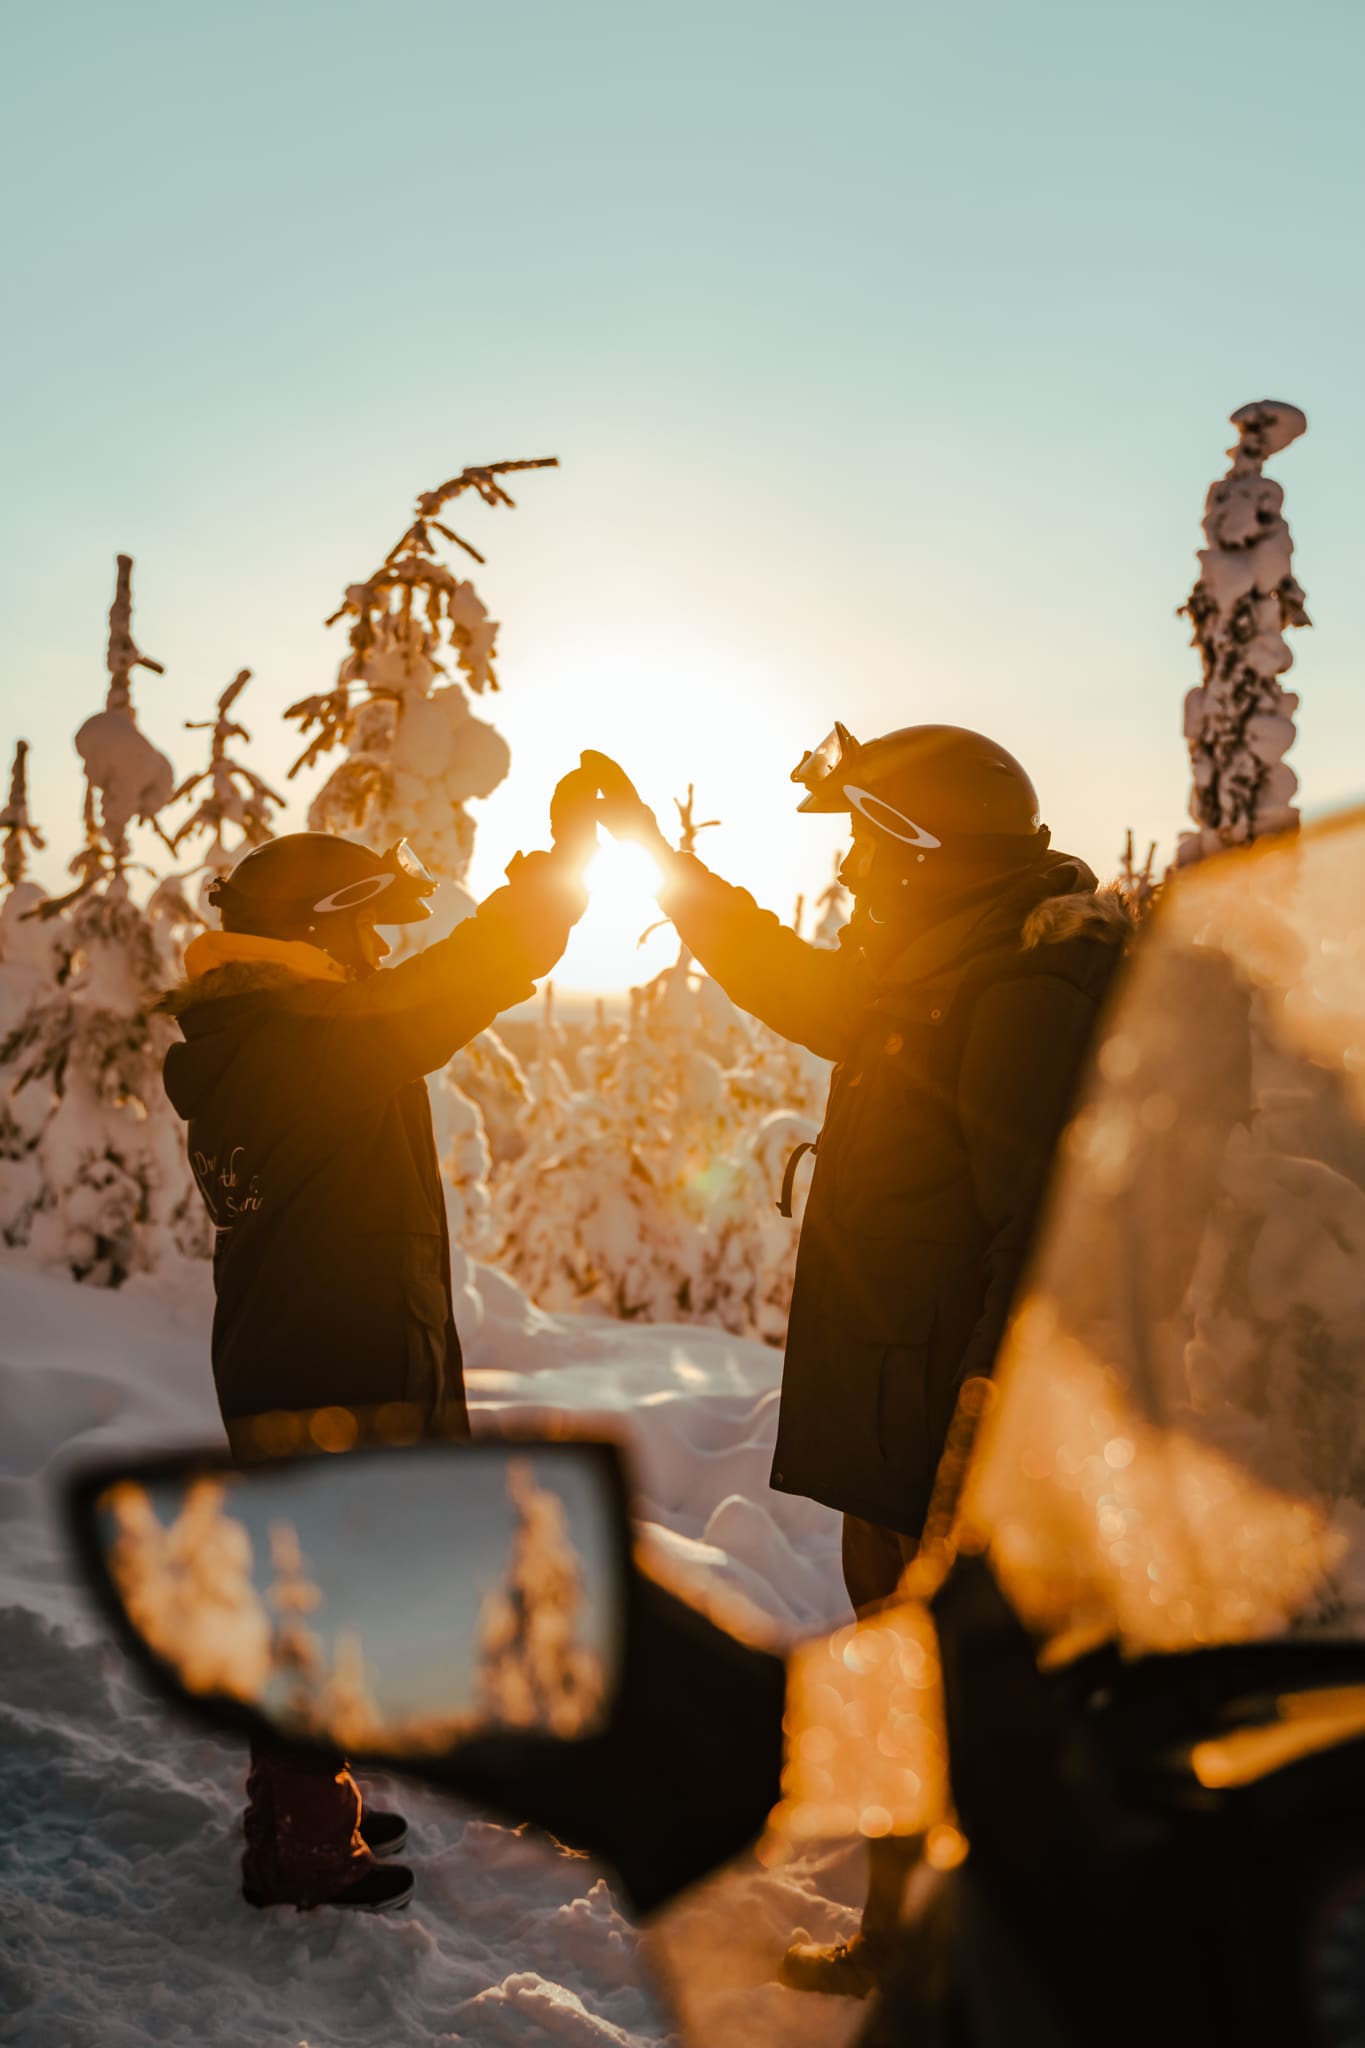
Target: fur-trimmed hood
241,978
219,965
1089,913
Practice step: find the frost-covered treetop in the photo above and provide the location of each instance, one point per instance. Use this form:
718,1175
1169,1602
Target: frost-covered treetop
235,795
127,776
16,823
1239,723
385,608
415,753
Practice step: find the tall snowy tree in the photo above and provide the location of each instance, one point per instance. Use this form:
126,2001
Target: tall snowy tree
416,756
113,1193
1239,722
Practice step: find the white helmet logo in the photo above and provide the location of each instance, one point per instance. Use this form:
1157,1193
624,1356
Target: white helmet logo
887,819
354,894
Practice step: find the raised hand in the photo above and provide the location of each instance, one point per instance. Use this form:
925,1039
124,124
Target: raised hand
574,811
623,810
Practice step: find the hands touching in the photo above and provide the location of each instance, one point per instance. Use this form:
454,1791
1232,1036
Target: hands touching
599,792
622,809
574,812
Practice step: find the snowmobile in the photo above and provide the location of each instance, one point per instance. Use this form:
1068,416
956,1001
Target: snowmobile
1117,1711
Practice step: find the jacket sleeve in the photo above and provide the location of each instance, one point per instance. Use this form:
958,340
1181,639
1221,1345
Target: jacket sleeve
367,1037
1021,1066
807,993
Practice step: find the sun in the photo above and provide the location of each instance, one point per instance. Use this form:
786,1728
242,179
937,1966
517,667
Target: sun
623,877
605,954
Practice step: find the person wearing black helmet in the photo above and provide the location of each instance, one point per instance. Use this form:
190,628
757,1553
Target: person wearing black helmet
301,1078
958,1009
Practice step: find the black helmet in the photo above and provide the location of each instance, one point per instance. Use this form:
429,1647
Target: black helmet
306,880
928,787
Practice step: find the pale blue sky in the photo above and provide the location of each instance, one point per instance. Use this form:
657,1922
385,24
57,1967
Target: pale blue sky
887,351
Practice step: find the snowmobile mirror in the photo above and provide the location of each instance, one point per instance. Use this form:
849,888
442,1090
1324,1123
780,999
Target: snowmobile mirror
468,1614
395,1600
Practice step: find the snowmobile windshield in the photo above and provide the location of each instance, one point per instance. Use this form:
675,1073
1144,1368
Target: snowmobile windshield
1177,1453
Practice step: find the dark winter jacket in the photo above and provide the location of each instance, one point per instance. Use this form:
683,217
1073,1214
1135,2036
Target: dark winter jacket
311,1139
956,1062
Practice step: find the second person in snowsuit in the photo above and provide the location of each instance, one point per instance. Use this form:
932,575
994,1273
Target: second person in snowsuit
957,1009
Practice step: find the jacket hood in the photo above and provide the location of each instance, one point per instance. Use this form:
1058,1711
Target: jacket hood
1093,914
225,973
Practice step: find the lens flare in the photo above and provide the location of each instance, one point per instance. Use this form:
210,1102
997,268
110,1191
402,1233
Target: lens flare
623,875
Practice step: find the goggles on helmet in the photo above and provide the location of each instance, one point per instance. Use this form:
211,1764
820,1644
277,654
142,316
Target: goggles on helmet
836,759
836,750
398,865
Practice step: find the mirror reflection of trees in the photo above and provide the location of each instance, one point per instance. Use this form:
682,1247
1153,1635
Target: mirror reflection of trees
534,1670
189,1588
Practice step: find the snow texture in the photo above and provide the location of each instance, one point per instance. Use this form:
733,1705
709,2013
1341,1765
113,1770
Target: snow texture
122,1925
1239,723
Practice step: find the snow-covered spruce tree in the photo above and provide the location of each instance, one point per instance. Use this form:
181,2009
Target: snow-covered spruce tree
113,1192
1274,1301
235,799
32,959
189,1590
296,1653
534,1671
416,756
1239,722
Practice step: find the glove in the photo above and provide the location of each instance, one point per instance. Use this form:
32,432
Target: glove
574,811
622,809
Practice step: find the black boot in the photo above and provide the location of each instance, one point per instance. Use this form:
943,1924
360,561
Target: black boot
385,1888
382,1833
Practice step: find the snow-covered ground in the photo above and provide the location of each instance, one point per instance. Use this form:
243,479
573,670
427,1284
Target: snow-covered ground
121,1924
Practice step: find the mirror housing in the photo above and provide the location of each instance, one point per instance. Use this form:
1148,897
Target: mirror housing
674,1775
